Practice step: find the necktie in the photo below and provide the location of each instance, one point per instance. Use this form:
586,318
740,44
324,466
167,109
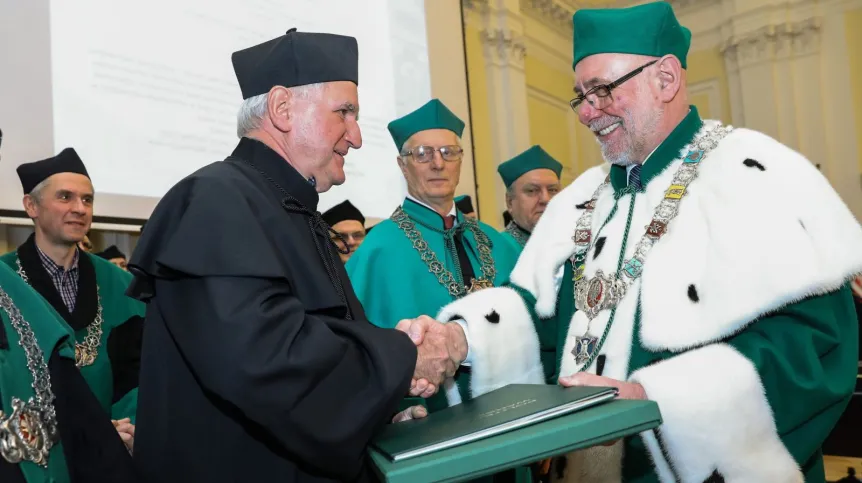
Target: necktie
448,222
635,177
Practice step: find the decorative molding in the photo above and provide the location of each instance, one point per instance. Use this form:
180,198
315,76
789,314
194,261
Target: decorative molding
548,98
480,6
550,13
772,42
503,48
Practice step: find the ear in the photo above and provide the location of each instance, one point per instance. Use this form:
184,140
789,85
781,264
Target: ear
278,108
402,165
670,74
30,206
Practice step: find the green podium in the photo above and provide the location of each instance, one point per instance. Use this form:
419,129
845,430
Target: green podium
591,418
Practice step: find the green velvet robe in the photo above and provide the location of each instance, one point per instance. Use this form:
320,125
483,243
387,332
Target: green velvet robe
805,353
15,378
113,377
393,283
519,246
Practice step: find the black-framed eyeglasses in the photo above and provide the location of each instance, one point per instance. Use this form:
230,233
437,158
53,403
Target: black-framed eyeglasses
600,96
424,154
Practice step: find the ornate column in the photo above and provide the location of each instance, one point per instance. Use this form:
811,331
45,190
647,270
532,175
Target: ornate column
504,50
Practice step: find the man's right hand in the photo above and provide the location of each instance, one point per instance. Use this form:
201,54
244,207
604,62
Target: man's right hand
442,348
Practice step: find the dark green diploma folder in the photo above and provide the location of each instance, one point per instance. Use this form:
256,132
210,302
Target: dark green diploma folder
512,426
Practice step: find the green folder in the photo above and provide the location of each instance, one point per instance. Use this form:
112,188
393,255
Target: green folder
597,420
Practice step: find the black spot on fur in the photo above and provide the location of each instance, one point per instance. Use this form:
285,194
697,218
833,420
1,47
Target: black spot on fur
600,364
692,294
715,477
802,225
753,164
493,317
455,317
600,243
582,206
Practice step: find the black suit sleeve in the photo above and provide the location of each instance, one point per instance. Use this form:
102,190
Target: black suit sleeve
320,386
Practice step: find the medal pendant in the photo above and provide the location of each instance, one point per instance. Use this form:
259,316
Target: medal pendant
584,347
477,285
83,356
24,434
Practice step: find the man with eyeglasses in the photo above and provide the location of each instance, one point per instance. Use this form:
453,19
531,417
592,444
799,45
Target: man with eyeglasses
428,253
348,228
679,284
532,178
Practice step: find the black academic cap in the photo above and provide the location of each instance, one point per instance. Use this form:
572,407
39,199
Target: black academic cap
31,174
296,59
465,204
111,252
343,211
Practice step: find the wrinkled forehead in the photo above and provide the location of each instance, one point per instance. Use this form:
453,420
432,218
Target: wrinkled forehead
341,91
434,138
601,69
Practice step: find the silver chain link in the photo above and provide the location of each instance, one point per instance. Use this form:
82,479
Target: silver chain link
445,277
30,431
87,351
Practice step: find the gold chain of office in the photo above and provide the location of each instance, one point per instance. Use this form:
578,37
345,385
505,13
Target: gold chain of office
445,277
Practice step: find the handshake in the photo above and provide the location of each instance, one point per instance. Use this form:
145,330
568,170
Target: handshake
441,349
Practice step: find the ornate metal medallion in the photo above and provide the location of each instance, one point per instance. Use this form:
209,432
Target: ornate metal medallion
24,435
584,347
601,292
30,431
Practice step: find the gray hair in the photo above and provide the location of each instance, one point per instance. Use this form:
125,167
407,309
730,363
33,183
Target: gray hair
36,192
253,110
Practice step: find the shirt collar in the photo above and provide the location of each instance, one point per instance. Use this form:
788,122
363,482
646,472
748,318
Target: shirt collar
665,153
428,215
53,266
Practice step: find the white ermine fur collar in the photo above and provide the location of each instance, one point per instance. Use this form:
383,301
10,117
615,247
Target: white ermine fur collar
759,228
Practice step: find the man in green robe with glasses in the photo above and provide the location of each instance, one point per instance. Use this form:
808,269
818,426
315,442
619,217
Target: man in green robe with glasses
428,254
681,282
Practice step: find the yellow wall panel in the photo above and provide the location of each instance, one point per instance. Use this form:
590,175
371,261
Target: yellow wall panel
853,22
706,65
547,79
701,101
549,128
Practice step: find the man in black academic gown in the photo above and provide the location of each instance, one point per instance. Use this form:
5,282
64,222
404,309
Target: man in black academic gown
258,362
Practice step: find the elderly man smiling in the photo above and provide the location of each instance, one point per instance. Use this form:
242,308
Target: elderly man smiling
679,284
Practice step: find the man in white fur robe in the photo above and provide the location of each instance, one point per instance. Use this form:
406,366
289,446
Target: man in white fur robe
711,266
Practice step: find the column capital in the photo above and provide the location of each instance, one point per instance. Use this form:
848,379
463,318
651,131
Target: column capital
503,48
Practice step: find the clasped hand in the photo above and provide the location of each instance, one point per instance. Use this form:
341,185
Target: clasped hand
441,349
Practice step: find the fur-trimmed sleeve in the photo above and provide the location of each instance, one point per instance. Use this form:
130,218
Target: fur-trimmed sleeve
758,406
504,347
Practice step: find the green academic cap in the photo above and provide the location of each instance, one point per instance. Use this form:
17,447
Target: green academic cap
650,29
433,115
533,158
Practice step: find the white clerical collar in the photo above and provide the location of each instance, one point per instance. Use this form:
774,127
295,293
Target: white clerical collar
452,212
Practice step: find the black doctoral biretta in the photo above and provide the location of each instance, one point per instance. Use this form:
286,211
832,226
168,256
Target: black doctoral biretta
296,59
342,212
111,252
31,174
